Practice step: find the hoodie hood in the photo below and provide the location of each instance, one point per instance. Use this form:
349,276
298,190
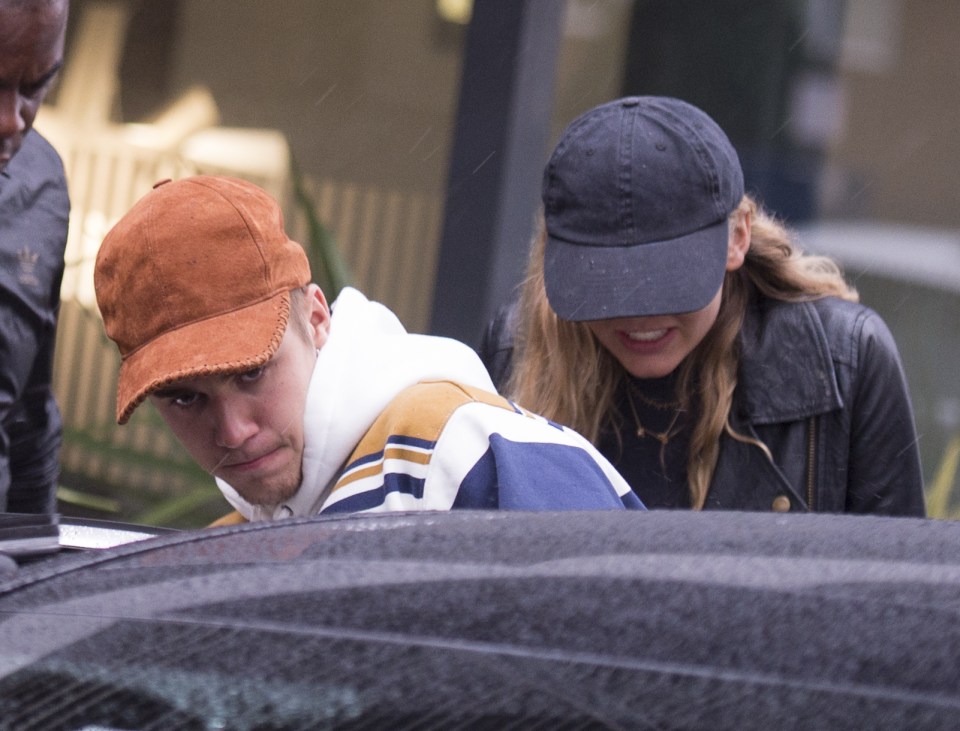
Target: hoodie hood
367,360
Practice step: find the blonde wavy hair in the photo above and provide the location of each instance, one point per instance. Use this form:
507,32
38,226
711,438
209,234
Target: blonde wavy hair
561,371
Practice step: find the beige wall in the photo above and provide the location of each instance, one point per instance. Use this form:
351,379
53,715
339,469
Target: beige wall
365,90
590,65
898,158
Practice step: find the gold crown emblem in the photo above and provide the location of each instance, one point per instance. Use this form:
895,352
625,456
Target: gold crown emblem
28,259
28,266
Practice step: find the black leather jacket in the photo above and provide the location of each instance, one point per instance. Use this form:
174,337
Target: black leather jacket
34,209
822,386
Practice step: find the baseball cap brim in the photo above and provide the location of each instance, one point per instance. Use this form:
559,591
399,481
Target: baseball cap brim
588,282
231,342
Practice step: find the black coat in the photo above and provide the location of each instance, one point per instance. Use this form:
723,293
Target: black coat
34,209
821,385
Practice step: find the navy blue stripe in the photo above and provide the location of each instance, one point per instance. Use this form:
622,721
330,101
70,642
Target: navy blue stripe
407,484
395,440
376,457
355,503
410,441
393,482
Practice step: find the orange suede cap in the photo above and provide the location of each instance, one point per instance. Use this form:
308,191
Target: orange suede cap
194,281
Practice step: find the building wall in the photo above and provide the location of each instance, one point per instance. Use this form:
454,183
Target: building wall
364,90
899,151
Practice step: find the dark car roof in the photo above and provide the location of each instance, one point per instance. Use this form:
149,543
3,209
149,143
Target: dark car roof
495,619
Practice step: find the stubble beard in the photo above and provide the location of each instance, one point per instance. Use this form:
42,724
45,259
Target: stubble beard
271,493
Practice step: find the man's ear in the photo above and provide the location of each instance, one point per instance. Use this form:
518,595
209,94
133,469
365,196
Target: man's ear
739,242
318,315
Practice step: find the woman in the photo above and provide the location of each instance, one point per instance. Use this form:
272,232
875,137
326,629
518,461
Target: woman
671,321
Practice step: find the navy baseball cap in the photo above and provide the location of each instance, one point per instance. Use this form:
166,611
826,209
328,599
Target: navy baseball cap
636,198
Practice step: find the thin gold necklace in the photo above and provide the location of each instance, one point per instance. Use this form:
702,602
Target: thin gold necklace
662,437
658,405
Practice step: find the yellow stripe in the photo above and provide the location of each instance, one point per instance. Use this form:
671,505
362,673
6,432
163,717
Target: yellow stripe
377,467
233,518
420,411
408,455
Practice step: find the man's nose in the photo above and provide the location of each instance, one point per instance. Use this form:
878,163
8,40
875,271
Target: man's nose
234,424
11,120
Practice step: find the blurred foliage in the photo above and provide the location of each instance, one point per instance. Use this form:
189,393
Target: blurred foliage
940,490
327,265
195,502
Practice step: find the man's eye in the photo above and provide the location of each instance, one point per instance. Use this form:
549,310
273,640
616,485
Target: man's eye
183,400
31,90
252,375
35,88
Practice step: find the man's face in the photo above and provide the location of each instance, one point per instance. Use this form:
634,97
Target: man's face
247,428
31,52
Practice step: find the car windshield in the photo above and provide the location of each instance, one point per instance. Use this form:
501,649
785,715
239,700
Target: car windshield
467,619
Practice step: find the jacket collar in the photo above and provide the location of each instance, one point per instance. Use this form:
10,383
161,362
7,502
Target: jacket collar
786,371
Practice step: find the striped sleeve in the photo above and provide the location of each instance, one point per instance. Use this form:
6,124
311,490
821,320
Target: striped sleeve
528,463
440,445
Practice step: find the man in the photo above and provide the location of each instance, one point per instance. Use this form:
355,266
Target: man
34,209
297,408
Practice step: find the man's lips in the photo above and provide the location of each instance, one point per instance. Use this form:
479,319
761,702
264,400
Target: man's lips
243,463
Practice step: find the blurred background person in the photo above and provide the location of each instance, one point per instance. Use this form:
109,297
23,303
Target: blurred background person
34,209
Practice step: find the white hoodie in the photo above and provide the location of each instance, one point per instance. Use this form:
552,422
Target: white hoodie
367,360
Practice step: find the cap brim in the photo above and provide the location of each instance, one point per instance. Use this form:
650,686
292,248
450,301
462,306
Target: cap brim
230,343
586,282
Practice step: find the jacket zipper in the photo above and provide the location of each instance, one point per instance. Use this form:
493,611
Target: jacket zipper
811,459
